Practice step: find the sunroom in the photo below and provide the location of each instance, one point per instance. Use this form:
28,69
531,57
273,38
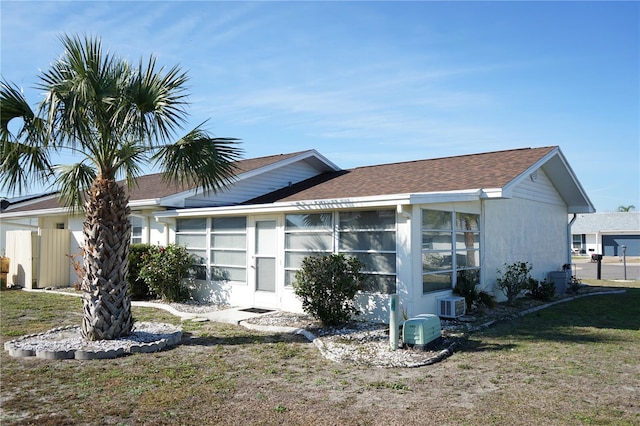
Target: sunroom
250,258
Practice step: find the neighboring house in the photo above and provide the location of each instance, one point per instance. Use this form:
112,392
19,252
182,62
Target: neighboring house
606,233
418,226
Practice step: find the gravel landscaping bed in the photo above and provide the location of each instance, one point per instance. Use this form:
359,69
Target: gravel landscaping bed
359,342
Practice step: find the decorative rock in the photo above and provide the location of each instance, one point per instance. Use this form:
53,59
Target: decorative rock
67,343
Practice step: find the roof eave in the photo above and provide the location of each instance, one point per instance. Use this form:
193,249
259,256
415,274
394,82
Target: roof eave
36,213
563,178
329,204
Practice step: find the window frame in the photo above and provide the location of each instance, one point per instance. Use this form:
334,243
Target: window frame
328,230
212,232
135,238
451,271
385,281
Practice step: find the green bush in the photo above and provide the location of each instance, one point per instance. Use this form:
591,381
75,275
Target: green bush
164,269
541,290
327,286
515,280
138,288
467,287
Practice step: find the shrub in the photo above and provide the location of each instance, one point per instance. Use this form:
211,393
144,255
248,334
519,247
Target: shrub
574,285
138,288
541,290
467,287
78,267
164,269
327,286
514,280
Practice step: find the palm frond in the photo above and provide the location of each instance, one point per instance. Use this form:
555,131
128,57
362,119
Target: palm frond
128,160
80,90
200,161
74,180
24,156
157,99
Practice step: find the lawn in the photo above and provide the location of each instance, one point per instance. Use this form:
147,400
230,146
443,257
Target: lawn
573,363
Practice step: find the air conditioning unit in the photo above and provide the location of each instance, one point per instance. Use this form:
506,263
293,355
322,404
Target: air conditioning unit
451,307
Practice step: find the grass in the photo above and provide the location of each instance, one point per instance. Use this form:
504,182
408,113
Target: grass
573,363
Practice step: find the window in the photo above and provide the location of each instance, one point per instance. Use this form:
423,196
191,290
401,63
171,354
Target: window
222,248
228,253
136,229
192,233
450,249
370,236
305,235
578,241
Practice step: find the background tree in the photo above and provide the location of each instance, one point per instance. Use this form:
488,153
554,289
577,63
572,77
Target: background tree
115,117
626,208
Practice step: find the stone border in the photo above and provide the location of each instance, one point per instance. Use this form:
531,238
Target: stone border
86,352
325,350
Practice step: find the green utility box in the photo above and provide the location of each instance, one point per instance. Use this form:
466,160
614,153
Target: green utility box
421,331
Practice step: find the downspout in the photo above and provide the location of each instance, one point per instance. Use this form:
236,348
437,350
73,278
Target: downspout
570,237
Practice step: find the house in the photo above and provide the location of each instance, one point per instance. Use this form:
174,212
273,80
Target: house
418,226
606,233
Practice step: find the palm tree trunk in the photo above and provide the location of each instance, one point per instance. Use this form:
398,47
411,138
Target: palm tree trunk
105,299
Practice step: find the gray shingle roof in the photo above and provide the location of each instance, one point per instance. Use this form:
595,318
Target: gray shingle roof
606,221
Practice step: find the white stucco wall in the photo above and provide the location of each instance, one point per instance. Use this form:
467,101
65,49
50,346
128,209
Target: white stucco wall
520,230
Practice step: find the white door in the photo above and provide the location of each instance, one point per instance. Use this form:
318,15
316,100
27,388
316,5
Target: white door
265,263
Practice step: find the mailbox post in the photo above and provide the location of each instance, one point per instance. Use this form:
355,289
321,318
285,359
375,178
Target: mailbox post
599,260
624,260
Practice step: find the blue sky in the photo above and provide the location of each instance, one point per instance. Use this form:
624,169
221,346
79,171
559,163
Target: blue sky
377,82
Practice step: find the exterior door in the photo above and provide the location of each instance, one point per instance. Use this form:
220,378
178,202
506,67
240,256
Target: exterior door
265,263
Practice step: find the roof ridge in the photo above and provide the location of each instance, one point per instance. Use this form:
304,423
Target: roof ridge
453,156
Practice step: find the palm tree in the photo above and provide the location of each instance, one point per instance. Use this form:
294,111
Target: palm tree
626,208
115,117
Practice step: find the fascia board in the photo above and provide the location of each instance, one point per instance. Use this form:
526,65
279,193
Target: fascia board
545,164
327,204
312,153
494,193
285,207
509,187
590,208
150,202
446,196
35,213
28,200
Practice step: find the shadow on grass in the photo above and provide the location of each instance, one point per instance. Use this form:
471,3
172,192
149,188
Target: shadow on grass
593,319
189,339
476,345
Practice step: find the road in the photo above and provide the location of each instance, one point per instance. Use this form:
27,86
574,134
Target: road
610,269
